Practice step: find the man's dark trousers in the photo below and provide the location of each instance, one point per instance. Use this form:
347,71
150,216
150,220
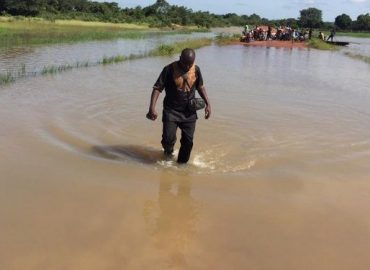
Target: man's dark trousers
169,138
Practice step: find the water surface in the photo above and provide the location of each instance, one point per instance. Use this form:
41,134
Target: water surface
278,178
35,58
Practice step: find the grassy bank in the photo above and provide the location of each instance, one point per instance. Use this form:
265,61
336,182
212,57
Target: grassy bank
317,43
179,46
162,50
33,32
225,39
23,31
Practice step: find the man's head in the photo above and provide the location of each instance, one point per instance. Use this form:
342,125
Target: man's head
187,59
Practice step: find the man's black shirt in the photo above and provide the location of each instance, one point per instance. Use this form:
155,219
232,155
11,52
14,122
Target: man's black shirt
180,87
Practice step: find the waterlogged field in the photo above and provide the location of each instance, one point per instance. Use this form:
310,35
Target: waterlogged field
24,62
30,31
278,178
15,32
21,58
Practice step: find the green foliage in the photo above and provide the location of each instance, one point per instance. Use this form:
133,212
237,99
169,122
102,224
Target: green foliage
2,5
113,59
164,50
179,46
327,25
24,7
162,14
291,22
317,43
31,31
343,21
363,22
225,39
311,17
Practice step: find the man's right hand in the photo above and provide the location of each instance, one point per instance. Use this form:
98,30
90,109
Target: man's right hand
152,115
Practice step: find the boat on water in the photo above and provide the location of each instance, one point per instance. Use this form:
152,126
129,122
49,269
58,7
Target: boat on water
338,43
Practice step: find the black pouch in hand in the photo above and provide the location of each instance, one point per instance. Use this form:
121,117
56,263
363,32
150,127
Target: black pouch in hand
196,104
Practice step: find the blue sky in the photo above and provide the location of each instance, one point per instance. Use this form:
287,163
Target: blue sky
266,8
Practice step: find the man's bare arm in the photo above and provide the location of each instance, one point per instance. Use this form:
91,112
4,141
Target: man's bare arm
203,93
152,114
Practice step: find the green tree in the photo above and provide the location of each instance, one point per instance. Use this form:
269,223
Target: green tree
66,5
134,14
2,5
311,17
82,6
363,22
343,21
159,8
254,19
25,7
52,6
233,19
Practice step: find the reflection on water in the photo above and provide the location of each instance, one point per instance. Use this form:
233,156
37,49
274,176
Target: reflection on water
137,153
172,219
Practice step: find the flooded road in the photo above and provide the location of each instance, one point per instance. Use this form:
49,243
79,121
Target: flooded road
278,178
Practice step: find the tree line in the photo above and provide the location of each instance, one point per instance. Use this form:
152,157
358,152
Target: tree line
161,13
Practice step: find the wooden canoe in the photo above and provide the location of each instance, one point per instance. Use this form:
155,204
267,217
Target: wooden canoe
338,43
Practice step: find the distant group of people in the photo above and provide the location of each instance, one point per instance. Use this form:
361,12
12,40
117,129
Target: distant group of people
262,33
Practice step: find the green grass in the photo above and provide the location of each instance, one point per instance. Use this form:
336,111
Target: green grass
37,33
224,39
15,32
112,60
317,43
57,69
171,49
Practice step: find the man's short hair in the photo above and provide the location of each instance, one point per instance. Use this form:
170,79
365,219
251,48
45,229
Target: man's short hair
188,55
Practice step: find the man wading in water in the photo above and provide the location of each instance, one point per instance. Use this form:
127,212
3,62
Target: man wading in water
180,79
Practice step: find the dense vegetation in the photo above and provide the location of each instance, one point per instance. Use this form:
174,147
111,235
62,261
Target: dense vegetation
161,13
345,22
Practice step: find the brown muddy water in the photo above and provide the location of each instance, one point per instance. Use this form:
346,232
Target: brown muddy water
279,177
